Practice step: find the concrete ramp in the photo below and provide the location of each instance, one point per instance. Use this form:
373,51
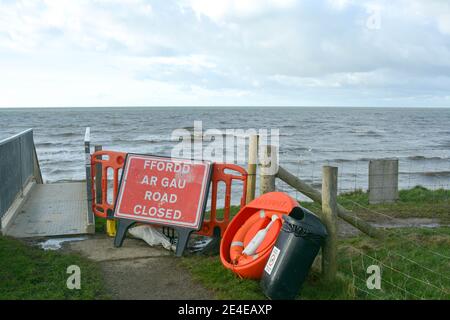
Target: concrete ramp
56,209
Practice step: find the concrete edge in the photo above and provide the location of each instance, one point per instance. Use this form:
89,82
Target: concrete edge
16,206
90,226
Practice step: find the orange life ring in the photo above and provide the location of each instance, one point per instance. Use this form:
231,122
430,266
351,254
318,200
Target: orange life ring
249,229
255,216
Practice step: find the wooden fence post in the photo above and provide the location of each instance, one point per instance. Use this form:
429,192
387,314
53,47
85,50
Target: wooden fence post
252,163
268,169
329,215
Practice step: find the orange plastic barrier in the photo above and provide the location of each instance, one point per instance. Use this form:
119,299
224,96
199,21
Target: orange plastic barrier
108,160
212,226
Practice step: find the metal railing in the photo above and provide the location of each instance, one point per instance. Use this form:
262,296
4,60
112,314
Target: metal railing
18,166
87,162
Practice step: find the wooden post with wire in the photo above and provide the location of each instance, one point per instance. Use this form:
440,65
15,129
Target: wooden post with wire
268,169
329,217
316,196
251,169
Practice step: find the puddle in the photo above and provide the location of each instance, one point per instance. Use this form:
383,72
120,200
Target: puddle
410,223
346,230
55,243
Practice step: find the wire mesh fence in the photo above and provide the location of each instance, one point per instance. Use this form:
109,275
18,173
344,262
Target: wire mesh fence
429,168
414,257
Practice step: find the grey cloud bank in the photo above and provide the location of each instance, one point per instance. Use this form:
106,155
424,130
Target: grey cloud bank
247,52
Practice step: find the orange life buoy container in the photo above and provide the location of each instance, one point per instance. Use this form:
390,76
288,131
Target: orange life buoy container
255,216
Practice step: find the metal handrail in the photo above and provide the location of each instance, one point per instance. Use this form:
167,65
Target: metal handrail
18,167
9,139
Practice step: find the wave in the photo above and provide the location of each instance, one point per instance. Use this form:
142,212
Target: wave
370,134
422,158
65,134
61,169
436,173
188,128
443,173
367,133
44,144
54,144
64,180
140,141
323,161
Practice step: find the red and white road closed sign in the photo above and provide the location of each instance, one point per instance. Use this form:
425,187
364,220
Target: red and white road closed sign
164,191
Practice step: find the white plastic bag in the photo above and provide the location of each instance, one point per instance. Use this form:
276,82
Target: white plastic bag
152,236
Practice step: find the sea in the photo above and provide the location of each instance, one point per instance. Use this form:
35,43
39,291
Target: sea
308,138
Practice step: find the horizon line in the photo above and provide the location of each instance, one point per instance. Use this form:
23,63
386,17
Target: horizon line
226,106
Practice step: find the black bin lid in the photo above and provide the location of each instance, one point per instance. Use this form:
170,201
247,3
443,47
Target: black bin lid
304,222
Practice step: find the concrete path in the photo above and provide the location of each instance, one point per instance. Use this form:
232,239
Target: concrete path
137,271
52,210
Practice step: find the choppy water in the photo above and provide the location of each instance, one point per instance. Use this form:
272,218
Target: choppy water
309,137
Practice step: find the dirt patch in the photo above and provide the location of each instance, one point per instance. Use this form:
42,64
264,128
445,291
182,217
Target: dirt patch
139,272
151,278
101,248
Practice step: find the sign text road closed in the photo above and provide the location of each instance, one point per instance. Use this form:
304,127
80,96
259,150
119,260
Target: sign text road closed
164,191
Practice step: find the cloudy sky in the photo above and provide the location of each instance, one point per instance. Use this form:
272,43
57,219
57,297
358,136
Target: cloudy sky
218,53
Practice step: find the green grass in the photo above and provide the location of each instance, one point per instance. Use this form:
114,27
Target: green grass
415,263
412,263
100,225
220,212
28,272
417,202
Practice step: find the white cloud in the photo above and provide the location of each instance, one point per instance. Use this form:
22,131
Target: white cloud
435,11
339,4
221,10
110,52
83,23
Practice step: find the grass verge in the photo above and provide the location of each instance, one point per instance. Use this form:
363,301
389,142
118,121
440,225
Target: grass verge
417,202
414,264
28,272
